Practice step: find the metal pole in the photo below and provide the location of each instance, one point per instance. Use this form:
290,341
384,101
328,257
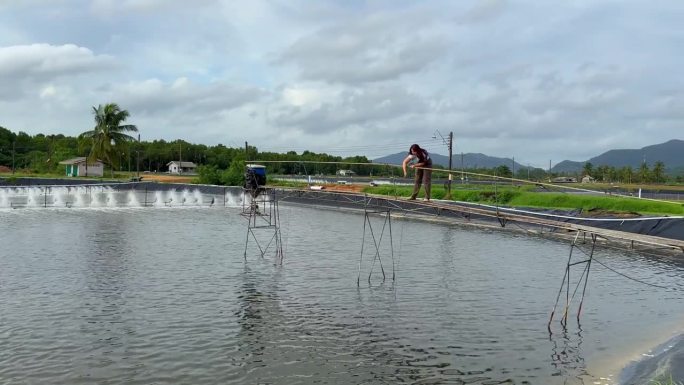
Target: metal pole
137,160
451,141
513,171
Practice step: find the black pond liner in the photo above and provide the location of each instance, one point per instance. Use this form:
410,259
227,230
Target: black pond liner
666,227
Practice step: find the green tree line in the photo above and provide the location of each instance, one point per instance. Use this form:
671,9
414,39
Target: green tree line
221,164
110,142
42,153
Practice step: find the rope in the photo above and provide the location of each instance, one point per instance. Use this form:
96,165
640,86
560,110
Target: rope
594,258
635,279
452,172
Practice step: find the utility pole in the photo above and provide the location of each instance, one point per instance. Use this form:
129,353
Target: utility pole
137,160
462,178
513,172
451,142
180,157
14,146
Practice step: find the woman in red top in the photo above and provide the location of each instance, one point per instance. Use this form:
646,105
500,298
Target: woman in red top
423,167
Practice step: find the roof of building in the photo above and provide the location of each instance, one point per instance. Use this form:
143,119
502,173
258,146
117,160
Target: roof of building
182,164
78,160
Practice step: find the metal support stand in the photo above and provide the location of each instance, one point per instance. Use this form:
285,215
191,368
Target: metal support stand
565,283
387,224
260,208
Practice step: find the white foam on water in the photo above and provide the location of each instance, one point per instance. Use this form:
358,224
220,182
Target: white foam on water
106,197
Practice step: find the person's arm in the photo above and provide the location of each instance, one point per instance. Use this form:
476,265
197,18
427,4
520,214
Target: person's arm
406,161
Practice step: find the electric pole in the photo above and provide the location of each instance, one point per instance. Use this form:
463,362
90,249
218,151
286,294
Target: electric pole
451,142
513,171
137,160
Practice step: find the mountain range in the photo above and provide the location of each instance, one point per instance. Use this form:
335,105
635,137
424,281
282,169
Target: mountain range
671,153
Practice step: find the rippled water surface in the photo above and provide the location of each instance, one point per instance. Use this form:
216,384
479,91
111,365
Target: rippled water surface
164,296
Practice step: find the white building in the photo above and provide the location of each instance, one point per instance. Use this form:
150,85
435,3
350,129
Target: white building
177,167
78,167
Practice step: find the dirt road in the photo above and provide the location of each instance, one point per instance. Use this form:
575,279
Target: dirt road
168,178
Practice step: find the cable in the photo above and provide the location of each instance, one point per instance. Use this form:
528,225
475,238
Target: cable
635,279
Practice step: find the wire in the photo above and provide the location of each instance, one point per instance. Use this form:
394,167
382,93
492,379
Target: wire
377,146
635,279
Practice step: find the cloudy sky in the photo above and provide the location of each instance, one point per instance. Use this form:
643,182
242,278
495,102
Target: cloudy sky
537,80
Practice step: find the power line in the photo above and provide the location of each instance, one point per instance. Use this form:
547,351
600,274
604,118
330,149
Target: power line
635,279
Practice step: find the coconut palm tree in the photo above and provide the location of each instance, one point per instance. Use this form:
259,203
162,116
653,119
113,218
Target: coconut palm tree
108,136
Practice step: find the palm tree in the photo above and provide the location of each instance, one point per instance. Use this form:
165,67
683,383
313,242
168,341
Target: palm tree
108,136
588,169
659,172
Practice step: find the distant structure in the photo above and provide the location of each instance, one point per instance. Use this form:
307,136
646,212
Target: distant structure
178,167
79,167
588,179
346,173
564,179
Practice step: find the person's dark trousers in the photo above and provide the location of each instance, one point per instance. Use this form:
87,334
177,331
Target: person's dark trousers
422,177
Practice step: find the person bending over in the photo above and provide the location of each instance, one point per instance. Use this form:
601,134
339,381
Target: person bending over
419,159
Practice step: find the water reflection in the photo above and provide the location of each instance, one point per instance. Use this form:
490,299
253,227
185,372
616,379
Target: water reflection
567,357
105,328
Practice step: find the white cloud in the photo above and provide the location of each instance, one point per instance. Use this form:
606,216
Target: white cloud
536,80
367,49
48,92
48,61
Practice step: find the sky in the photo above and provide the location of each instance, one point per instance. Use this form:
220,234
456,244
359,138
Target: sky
540,81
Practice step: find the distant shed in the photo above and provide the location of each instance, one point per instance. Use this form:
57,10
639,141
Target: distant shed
178,167
79,167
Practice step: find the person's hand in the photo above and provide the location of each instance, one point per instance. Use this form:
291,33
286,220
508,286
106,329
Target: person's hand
411,165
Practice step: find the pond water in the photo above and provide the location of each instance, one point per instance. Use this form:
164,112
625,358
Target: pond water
165,296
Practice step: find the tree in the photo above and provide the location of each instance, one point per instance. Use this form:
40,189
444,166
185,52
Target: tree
603,173
108,136
659,172
644,173
627,174
503,171
588,169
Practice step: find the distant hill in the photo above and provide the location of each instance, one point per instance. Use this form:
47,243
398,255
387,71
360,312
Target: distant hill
470,160
671,153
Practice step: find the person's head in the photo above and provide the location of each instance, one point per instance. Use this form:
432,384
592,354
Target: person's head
414,149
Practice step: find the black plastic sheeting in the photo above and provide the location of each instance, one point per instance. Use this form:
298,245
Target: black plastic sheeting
666,227
23,182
